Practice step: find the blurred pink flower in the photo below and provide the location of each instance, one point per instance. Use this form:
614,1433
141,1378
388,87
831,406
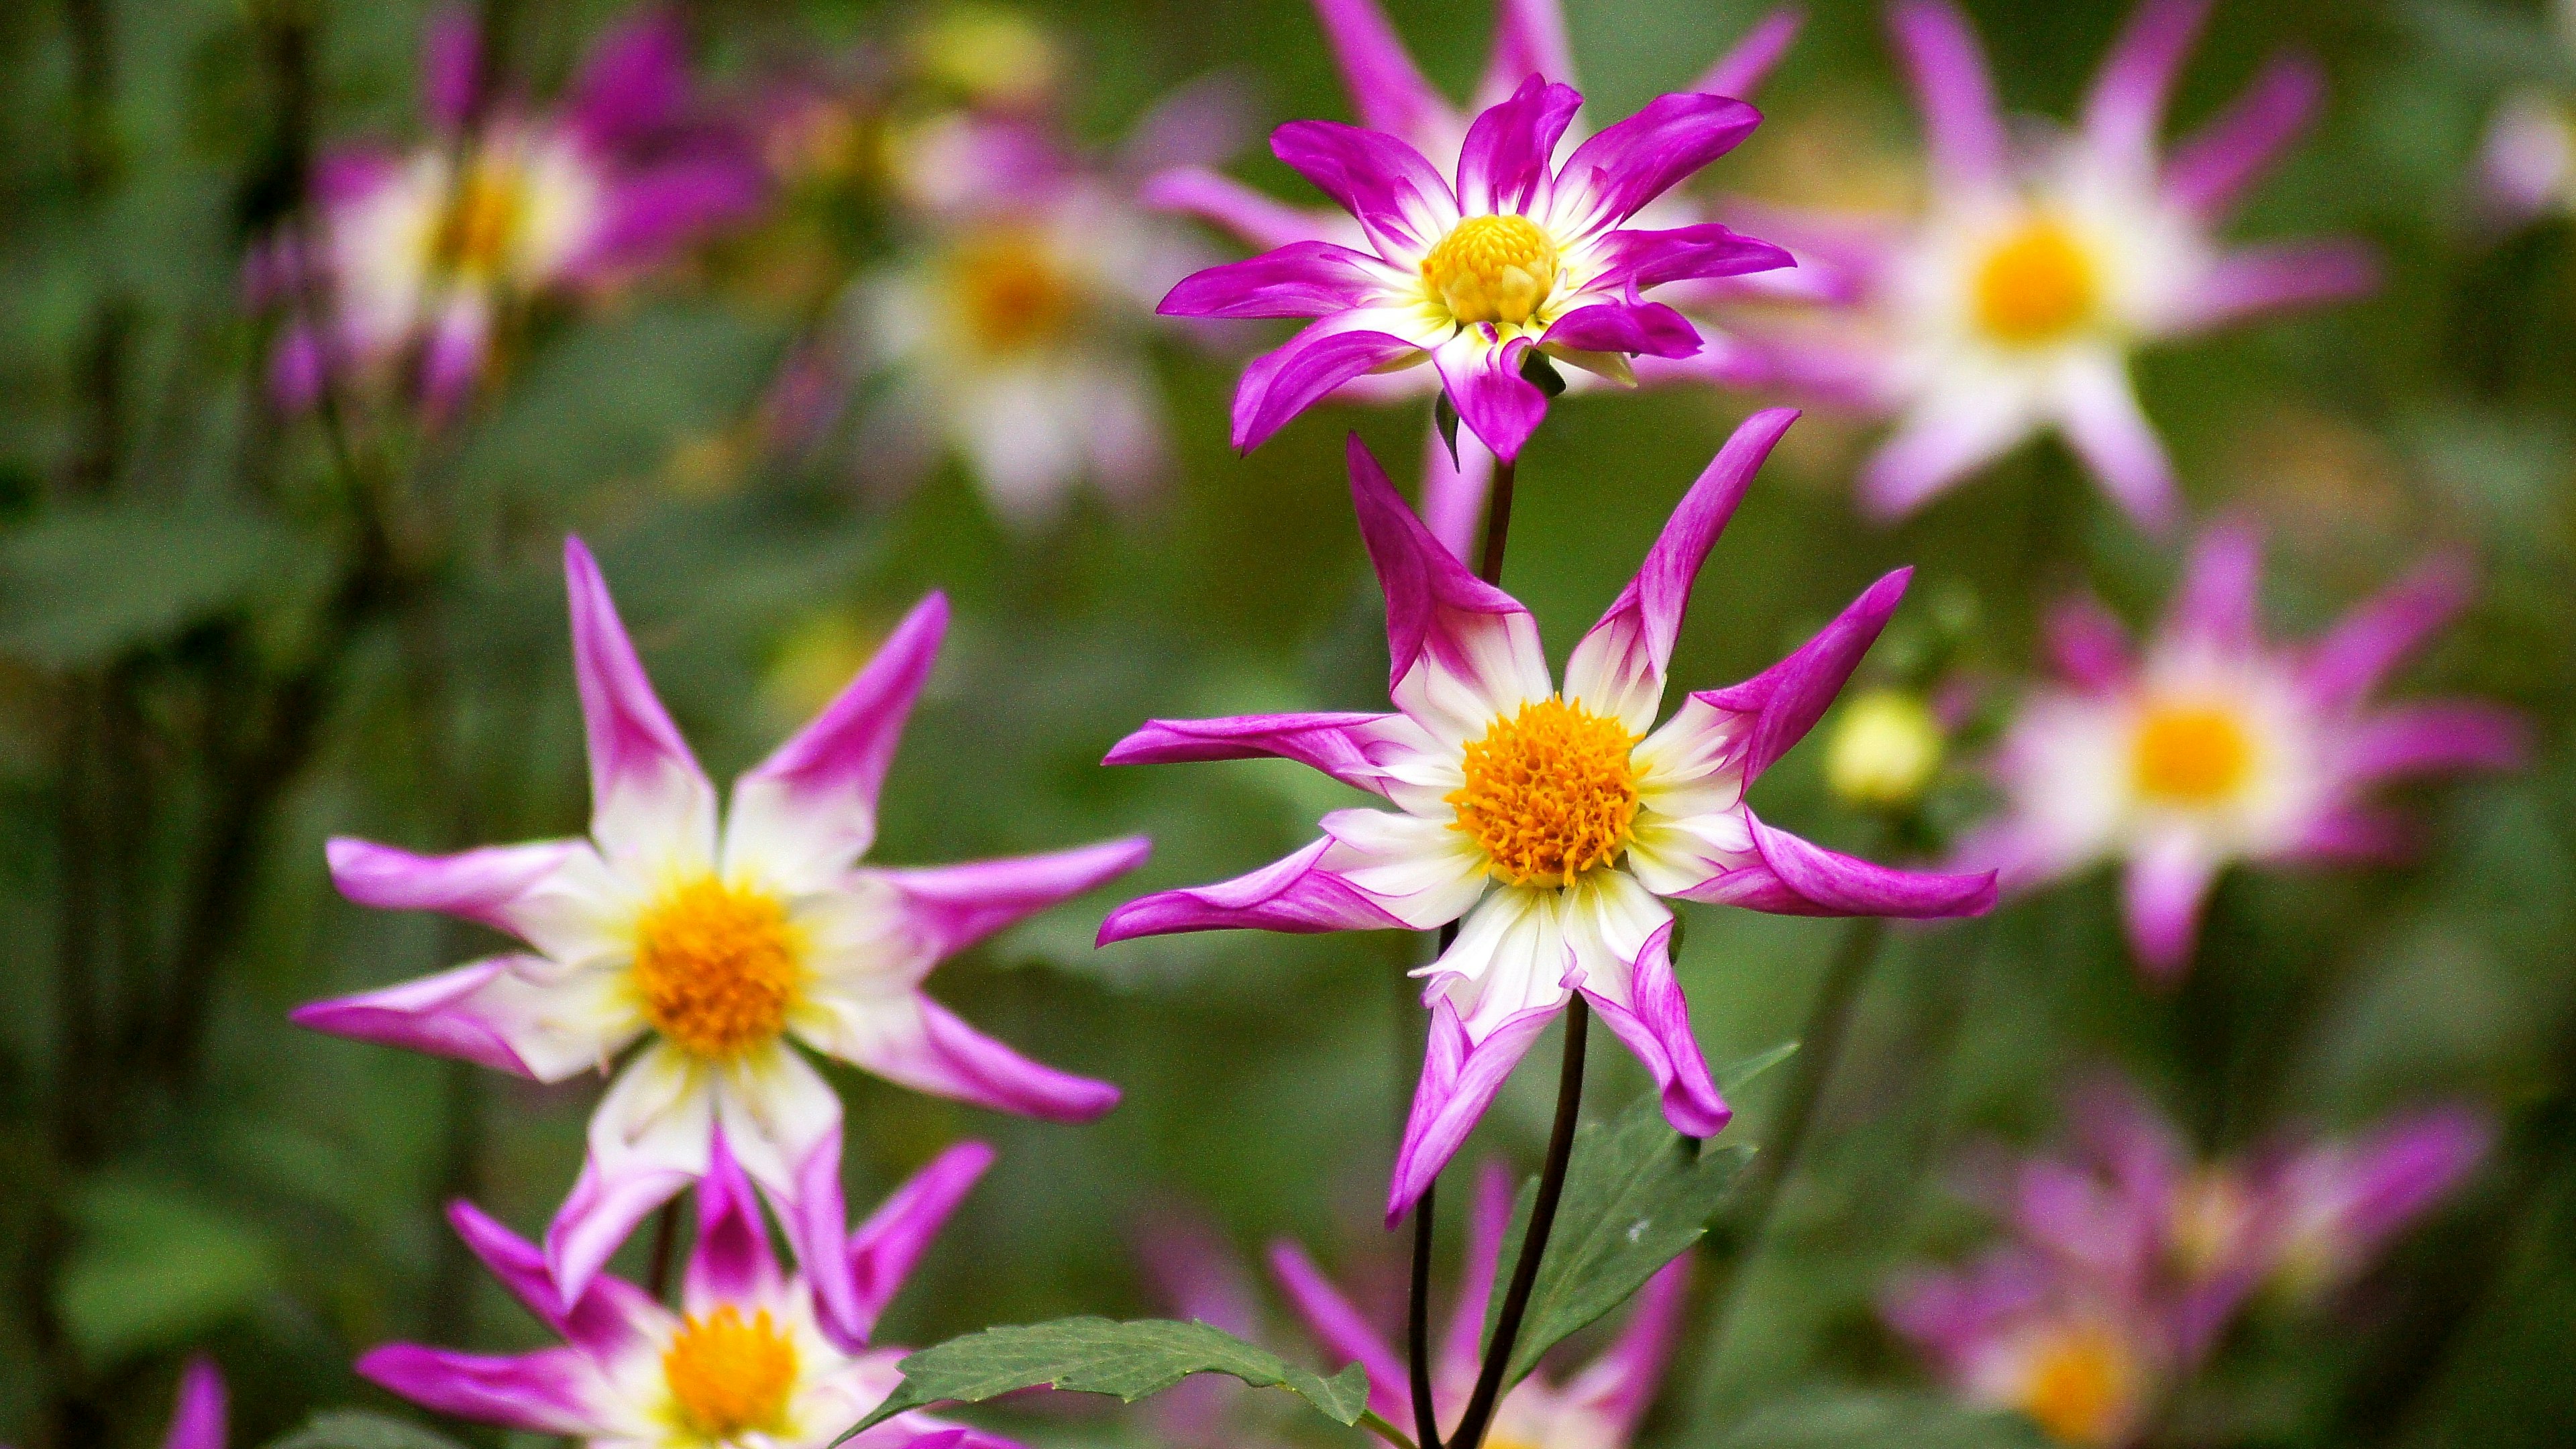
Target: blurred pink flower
2012,1331
720,946
2215,746
752,1357
420,253
1390,94
197,1419
2044,260
2527,163
1546,824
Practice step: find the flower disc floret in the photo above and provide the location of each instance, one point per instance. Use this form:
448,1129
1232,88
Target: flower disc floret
1551,793
2038,285
730,1375
1492,269
2079,1385
2191,754
480,229
1009,291
717,966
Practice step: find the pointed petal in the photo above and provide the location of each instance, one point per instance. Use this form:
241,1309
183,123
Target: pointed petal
2125,113
1287,380
1618,667
1651,1017
1619,169
1489,1216
802,816
1342,1332
1938,444
451,57
732,1261
1799,878
1295,279
554,894
884,1249
2434,737
2166,884
1622,1382
1788,698
2219,599
1255,217
518,1014
542,1392
1625,329
2215,165
197,1421
608,1318
634,82
1460,652
1459,1080
2259,281
1352,748
1504,165
915,1042
1386,88
1963,126
2110,432
2368,644
947,908
1529,40
1485,385
649,1139
1741,71
2087,644
652,810
1293,894
1636,260
1454,492
2404,1166
1401,200
2363,834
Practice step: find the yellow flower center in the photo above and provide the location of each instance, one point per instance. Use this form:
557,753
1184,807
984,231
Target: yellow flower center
2208,1221
485,213
2037,285
2079,1386
717,967
1550,793
728,1376
1491,269
1009,291
2191,754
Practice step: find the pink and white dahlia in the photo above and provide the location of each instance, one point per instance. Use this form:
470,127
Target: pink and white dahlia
1547,823
2015,1331
1598,1408
717,945
754,1358
2527,163
421,254
1524,251
1389,94
2043,261
2213,746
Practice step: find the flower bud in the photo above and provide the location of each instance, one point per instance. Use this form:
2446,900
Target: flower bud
1883,751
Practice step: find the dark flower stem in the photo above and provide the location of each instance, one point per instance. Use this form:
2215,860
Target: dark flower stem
1417,1323
666,1232
1498,520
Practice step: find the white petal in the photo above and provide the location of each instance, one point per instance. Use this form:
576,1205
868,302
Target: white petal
1420,871
659,1114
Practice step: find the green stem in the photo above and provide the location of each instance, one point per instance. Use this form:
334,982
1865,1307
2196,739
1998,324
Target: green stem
1370,1421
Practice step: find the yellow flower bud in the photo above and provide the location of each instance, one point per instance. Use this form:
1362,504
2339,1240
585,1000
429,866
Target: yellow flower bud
1883,750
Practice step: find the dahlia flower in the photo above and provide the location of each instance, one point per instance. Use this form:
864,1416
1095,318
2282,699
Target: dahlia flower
1547,823
2214,746
420,254
1523,252
1389,94
2014,1331
717,947
753,1359
2527,163
2043,261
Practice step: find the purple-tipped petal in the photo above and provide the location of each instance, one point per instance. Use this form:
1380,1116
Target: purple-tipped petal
608,1318
655,210
1648,329
2219,599
1281,383
2259,281
2213,168
1439,616
1654,1022
2368,644
545,1392
197,1420
650,1137
634,82
1295,894
1503,167
1621,168
1963,127
2359,834
1529,40
1454,490
1497,404
451,62
938,1054
2404,1167
1352,748
1299,279
1400,199
1936,447
1742,70
650,804
884,1249
2126,110
2087,644
2434,737
1459,1080
731,1261
2108,430
1618,667
1489,1217
1636,260
452,357
1800,878
1789,697
1342,1331
1255,217
1622,1383
950,907
485,886
810,809
1386,88
2162,892
444,1014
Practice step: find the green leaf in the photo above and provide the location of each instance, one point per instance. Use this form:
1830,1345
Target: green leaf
1858,1420
1734,1077
1098,1356
155,1266
1637,1195
82,586
358,1429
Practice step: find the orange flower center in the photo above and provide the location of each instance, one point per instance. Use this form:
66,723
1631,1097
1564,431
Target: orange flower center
2191,754
1009,291
2079,1386
1491,269
485,213
1550,793
728,1376
717,967
2036,285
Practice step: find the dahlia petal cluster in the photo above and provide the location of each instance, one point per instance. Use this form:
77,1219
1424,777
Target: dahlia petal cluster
2044,260
2212,745
1549,824
417,256
716,943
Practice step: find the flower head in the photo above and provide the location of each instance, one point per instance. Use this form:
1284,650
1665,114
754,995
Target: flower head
421,253
2214,746
1521,252
752,1358
717,948
2014,1331
1598,1408
2044,260
1548,823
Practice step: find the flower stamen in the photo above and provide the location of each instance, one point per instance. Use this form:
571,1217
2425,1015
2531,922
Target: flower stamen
2191,754
1009,291
717,967
729,1376
1491,269
2038,284
1550,793
484,217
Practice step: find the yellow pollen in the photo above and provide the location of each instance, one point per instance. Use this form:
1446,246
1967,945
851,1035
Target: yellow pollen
1491,269
717,967
483,220
2191,754
1009,291
728,1376
2079,1386
2036,285
1550,793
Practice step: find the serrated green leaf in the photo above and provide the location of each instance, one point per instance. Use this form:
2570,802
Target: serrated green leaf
358,1429
1883,1421
1637,1195
1132,1360
82,586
